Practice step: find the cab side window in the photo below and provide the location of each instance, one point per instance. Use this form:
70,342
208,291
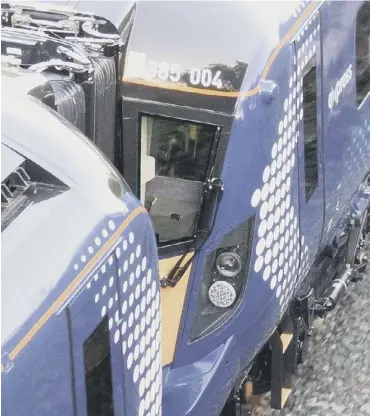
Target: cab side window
363,52
175,156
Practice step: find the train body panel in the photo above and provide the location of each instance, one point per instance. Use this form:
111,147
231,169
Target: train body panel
251,154
345,119
87,293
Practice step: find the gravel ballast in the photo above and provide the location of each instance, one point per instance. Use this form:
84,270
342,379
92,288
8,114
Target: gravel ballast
335,379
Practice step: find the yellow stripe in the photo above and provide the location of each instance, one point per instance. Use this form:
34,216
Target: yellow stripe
254,91
172,304
287,37
202,91
75,283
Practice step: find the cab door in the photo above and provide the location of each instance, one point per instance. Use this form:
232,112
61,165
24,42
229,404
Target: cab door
310,139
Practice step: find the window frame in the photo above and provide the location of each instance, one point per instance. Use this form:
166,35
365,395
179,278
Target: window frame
367,95
130,149
207,171
308,68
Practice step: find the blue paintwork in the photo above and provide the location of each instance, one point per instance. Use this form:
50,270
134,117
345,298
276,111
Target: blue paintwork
253,133
82,262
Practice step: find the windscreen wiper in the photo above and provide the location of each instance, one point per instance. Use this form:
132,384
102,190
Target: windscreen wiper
177,272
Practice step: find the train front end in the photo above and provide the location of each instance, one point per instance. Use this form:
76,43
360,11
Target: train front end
81,313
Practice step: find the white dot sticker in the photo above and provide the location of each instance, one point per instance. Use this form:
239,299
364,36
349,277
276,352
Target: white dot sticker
130,360
278,291
266,174
264,210
256,197
258,264
281,127
266,273
124,307
131,238
143,264
268,256
149,276
262,228
132,278
260,246
273,282
265,191
274,151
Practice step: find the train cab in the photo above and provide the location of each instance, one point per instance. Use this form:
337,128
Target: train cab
80,289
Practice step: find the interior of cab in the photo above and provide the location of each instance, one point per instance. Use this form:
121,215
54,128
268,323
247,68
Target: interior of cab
174,162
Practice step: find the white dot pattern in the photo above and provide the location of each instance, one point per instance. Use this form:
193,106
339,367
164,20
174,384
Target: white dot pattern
134,322
277,249
356,162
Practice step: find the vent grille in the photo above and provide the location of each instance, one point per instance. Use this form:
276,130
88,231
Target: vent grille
14,187
27,186
15,195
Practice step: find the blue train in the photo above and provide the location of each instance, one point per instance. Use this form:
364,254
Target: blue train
244,130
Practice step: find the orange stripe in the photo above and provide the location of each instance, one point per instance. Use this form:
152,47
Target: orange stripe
287,37
254,91
75,283
167,86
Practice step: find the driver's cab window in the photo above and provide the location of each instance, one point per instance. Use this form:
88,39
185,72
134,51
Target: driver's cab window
174,161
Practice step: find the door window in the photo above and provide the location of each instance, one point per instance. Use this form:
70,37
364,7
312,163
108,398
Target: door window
175,157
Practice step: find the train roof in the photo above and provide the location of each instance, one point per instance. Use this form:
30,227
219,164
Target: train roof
233,43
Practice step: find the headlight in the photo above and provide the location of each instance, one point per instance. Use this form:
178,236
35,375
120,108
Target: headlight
224,278
222,294
229,264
